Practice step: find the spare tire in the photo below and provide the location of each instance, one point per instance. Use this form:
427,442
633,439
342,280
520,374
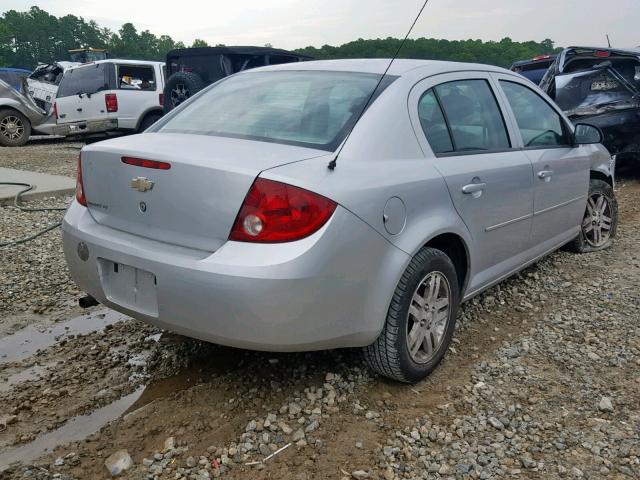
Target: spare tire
180,87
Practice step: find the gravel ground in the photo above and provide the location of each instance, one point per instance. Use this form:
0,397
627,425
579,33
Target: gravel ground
53,156
34,276
542,381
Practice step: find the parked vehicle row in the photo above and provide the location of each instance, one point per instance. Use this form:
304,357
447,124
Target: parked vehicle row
325,205
104,95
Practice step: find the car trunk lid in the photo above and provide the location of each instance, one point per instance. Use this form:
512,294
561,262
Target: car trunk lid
193,203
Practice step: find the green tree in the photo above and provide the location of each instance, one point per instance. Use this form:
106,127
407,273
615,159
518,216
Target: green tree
198,42
33,36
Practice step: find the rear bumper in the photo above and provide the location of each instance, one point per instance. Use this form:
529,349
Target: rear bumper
90,126
329,290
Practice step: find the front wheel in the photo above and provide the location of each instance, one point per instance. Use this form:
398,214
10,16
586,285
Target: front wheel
15,128
420,321
600,220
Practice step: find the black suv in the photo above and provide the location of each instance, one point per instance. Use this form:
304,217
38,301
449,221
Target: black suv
189,70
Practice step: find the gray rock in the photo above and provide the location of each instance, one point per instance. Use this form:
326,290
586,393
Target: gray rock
118,462
605,405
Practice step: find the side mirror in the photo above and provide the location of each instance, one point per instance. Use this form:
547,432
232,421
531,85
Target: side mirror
586,134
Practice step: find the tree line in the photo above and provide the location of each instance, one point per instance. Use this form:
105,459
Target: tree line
35,36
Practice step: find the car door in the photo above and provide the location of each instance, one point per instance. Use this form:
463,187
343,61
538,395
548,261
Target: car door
80,95
137,91
561,170
459,118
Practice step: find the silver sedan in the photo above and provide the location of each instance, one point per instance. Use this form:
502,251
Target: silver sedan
223,221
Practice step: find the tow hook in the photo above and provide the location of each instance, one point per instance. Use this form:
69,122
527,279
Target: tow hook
88,301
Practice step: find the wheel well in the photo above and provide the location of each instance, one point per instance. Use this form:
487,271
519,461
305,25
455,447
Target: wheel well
454,247
155,111
601,176
13,109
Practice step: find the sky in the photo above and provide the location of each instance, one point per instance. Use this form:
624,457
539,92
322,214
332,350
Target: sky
300,23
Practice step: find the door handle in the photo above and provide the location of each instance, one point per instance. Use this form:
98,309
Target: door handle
78,109
544,174
473,188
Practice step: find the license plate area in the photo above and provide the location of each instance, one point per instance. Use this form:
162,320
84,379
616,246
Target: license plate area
128,286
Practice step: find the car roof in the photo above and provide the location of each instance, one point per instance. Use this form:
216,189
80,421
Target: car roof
534,60
627,51
121,61
379,65
14,70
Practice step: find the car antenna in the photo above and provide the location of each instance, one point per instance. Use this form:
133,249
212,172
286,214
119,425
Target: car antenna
332,164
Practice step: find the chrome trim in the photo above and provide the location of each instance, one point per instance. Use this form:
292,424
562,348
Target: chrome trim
560,205
508,222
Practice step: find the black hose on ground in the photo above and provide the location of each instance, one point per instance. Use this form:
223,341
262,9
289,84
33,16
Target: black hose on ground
16,201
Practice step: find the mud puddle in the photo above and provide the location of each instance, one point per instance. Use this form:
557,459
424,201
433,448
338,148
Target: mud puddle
27,341
76,429
34,372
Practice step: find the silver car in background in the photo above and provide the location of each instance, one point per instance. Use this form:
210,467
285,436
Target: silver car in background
223,221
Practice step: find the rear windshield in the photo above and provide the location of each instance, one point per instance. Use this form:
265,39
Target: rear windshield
89,79
306,108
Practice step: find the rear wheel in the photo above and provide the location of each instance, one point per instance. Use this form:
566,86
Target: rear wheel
420,321
600,220
15,128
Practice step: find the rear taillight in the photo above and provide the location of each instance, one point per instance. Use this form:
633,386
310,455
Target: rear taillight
161,99
55,110
79,185
601,53
111,102
275,212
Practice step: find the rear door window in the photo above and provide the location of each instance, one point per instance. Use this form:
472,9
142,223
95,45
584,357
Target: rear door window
135,77
433,123
473,116
83,80
539,124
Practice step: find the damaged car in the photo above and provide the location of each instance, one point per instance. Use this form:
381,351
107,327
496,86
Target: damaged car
44,81
601,87
20,115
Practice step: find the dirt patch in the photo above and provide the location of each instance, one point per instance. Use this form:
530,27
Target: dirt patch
541,382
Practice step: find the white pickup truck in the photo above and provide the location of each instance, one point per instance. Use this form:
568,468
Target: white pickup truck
109,95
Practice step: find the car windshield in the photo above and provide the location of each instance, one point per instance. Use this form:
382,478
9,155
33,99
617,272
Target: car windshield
306,108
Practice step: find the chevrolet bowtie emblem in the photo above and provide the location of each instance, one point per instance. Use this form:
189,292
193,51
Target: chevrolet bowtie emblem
141,184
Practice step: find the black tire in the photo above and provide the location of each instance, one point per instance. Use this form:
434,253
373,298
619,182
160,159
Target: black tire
149,120
584,242
179,87
389,355
15,128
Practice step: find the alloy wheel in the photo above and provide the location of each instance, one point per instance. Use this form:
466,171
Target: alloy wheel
179,94
596,224
11,127
428,317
